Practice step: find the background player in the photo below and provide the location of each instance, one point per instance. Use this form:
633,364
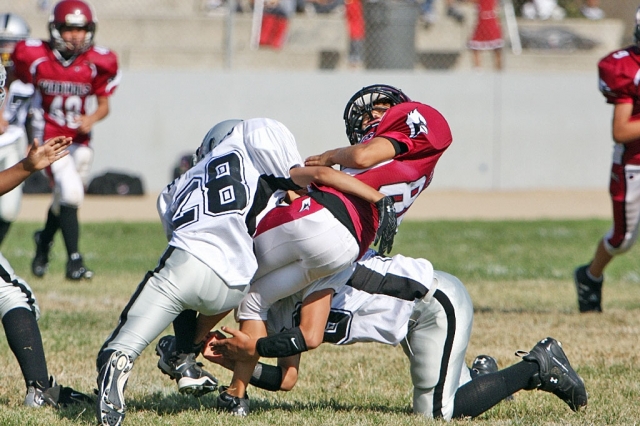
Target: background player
618,84
403,300
13,133
67,71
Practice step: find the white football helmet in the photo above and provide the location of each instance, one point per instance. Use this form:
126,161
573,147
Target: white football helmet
12,29
214,136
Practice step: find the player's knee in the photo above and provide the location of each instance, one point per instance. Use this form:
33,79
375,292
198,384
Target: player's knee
252,308
72,194
626,244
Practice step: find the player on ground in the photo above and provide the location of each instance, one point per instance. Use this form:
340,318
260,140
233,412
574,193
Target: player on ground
18,307
210,214
401,300
618,83
13,135
67,71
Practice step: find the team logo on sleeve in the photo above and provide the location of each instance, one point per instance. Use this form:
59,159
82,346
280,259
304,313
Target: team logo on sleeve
417,124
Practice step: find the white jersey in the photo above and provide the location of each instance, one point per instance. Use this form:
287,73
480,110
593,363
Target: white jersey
15,113
374,300
212,210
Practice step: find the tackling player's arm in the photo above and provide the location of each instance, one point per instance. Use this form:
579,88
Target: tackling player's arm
303,176
360,156
624,129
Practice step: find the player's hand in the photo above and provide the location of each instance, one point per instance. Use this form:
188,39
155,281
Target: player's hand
216,357
85,123
387,225
239,347
323,159
42,156
4,124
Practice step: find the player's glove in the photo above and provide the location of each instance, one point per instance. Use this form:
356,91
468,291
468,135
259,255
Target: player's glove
387,225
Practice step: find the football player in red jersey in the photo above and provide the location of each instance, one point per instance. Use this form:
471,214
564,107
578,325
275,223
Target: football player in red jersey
67,71
395,144
618,83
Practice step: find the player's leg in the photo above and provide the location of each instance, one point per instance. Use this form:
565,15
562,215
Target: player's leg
625,196
436,345
19,311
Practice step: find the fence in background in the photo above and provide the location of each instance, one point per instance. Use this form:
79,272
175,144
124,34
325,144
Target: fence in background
350,35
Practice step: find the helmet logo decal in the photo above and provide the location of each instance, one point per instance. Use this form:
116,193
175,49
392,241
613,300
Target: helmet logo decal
417,124
76,19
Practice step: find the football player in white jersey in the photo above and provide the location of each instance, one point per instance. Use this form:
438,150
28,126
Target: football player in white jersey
210,214
401,300
13,132
18,307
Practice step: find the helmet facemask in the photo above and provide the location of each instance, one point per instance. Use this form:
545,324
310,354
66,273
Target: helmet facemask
12,29
360,108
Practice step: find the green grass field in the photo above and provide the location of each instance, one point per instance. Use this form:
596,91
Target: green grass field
519,275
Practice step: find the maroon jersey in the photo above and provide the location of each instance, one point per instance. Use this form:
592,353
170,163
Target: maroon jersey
619,80
64,87
421,134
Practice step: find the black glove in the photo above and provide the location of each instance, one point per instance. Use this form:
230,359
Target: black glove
387,225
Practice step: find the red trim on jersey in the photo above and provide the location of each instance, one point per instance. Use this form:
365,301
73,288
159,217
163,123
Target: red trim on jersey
300,207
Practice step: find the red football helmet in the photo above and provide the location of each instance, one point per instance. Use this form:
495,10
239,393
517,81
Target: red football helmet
71,14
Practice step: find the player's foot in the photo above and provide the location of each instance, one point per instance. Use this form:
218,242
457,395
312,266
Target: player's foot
233,404
110,407
483,364
40,263
589,290
555,373
54,396
76,269
192,379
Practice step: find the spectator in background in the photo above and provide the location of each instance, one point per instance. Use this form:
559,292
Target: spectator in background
275,22
591,10
66,71
354,15
487,35
543,9
428,14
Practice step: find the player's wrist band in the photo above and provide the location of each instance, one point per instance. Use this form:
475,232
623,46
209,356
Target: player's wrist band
267,377
283,344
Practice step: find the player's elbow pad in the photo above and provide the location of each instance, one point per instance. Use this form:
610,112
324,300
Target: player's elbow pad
281,345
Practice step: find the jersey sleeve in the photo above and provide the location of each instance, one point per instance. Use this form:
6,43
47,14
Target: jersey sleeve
419,127
24,55
617,73
108,74
272,147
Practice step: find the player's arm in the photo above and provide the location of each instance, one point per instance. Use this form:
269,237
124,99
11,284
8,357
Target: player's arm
359,156
623,128
38,157
303,176
86,122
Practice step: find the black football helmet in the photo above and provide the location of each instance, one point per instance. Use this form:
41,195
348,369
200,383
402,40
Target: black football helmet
362,104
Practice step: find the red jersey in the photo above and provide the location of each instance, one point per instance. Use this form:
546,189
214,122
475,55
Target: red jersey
619,80
64,87
421,134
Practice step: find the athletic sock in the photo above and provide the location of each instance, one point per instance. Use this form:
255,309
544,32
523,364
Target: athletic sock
50,228
483,392
25,341
70,228
184,327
